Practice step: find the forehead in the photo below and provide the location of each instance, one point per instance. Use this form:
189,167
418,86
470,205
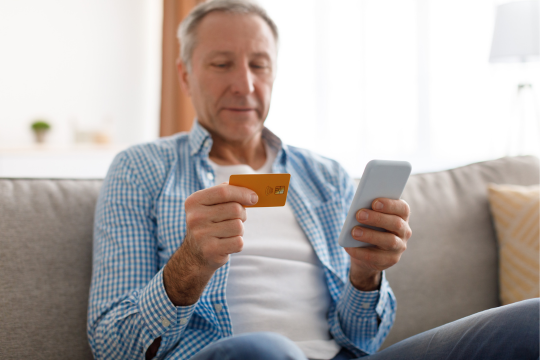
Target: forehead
229,32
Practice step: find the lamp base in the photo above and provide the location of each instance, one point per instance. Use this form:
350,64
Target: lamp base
524,127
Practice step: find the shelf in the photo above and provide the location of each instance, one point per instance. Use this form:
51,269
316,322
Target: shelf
77,161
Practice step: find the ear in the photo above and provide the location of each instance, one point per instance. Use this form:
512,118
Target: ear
183,76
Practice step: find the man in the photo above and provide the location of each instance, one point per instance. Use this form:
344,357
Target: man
183,271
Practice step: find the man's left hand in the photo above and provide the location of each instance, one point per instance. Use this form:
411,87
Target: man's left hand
368,262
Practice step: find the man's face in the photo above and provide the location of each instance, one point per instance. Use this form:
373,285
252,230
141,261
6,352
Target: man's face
232,73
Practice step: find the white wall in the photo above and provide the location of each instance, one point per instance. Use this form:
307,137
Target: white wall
89,61
357,79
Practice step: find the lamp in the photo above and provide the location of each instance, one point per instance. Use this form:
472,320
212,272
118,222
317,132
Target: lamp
516,38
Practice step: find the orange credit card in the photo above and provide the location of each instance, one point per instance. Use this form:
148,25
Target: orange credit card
271,188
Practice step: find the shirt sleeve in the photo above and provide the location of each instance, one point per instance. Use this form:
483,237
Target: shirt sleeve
364,318
128,306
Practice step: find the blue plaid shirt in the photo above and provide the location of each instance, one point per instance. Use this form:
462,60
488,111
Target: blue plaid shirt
140,222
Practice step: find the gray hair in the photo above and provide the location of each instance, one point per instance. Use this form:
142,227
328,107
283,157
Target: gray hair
186,30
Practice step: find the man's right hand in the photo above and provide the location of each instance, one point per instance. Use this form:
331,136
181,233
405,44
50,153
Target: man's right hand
214,219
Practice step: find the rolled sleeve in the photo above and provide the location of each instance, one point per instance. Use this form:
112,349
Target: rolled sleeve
364,318
162,317
363,303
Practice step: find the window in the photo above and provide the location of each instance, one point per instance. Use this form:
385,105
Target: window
393,79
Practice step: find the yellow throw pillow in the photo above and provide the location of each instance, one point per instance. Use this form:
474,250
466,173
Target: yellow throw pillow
515,211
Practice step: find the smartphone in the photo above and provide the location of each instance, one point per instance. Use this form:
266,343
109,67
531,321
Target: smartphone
381,179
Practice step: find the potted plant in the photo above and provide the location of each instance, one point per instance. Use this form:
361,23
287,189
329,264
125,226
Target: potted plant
40,129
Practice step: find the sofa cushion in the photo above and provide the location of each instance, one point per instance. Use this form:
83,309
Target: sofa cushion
515,211
450,267
45,262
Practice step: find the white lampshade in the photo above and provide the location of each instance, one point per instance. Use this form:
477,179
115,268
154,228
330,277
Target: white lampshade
517,32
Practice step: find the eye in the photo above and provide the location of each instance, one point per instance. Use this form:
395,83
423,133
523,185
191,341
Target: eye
259,65
220,65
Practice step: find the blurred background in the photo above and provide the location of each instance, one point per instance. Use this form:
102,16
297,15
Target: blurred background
440,83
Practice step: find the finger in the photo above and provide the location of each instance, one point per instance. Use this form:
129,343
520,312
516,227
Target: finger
392,223
217,251
393,207
374,258
382,240
224,193
227,211
227,228
230,245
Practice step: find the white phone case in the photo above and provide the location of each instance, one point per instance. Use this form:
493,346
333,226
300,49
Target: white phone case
381,179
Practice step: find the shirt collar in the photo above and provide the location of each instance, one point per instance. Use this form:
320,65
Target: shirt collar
200,142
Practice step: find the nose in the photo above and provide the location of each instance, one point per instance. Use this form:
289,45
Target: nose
243,80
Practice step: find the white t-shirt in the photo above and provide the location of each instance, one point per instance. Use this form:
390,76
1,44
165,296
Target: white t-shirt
277,283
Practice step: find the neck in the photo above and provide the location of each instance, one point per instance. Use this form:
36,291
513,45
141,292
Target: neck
250,152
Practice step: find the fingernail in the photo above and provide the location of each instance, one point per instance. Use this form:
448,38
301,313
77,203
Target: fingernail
363,215
357,232
378,205
254,198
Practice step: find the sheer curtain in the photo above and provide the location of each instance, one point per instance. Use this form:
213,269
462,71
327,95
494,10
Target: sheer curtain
392,79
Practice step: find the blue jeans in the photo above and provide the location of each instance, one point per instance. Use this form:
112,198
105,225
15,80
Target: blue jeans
506,332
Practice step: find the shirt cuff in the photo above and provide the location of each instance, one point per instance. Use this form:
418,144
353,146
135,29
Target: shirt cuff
159,313
363,303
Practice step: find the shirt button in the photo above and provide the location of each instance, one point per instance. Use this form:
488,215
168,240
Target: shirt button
183,321
365,305
210,176
165,322
218,307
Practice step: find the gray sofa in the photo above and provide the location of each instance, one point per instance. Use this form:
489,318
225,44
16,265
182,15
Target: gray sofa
449,270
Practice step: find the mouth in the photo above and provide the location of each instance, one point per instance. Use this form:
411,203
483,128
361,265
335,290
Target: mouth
240,110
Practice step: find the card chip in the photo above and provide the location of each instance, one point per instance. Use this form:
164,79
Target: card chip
279,190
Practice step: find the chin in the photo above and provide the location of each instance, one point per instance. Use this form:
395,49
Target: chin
239,128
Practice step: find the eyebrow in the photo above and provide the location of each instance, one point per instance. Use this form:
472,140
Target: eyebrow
256,54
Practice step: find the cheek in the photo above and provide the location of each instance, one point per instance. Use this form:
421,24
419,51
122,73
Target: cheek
204,94
265,92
